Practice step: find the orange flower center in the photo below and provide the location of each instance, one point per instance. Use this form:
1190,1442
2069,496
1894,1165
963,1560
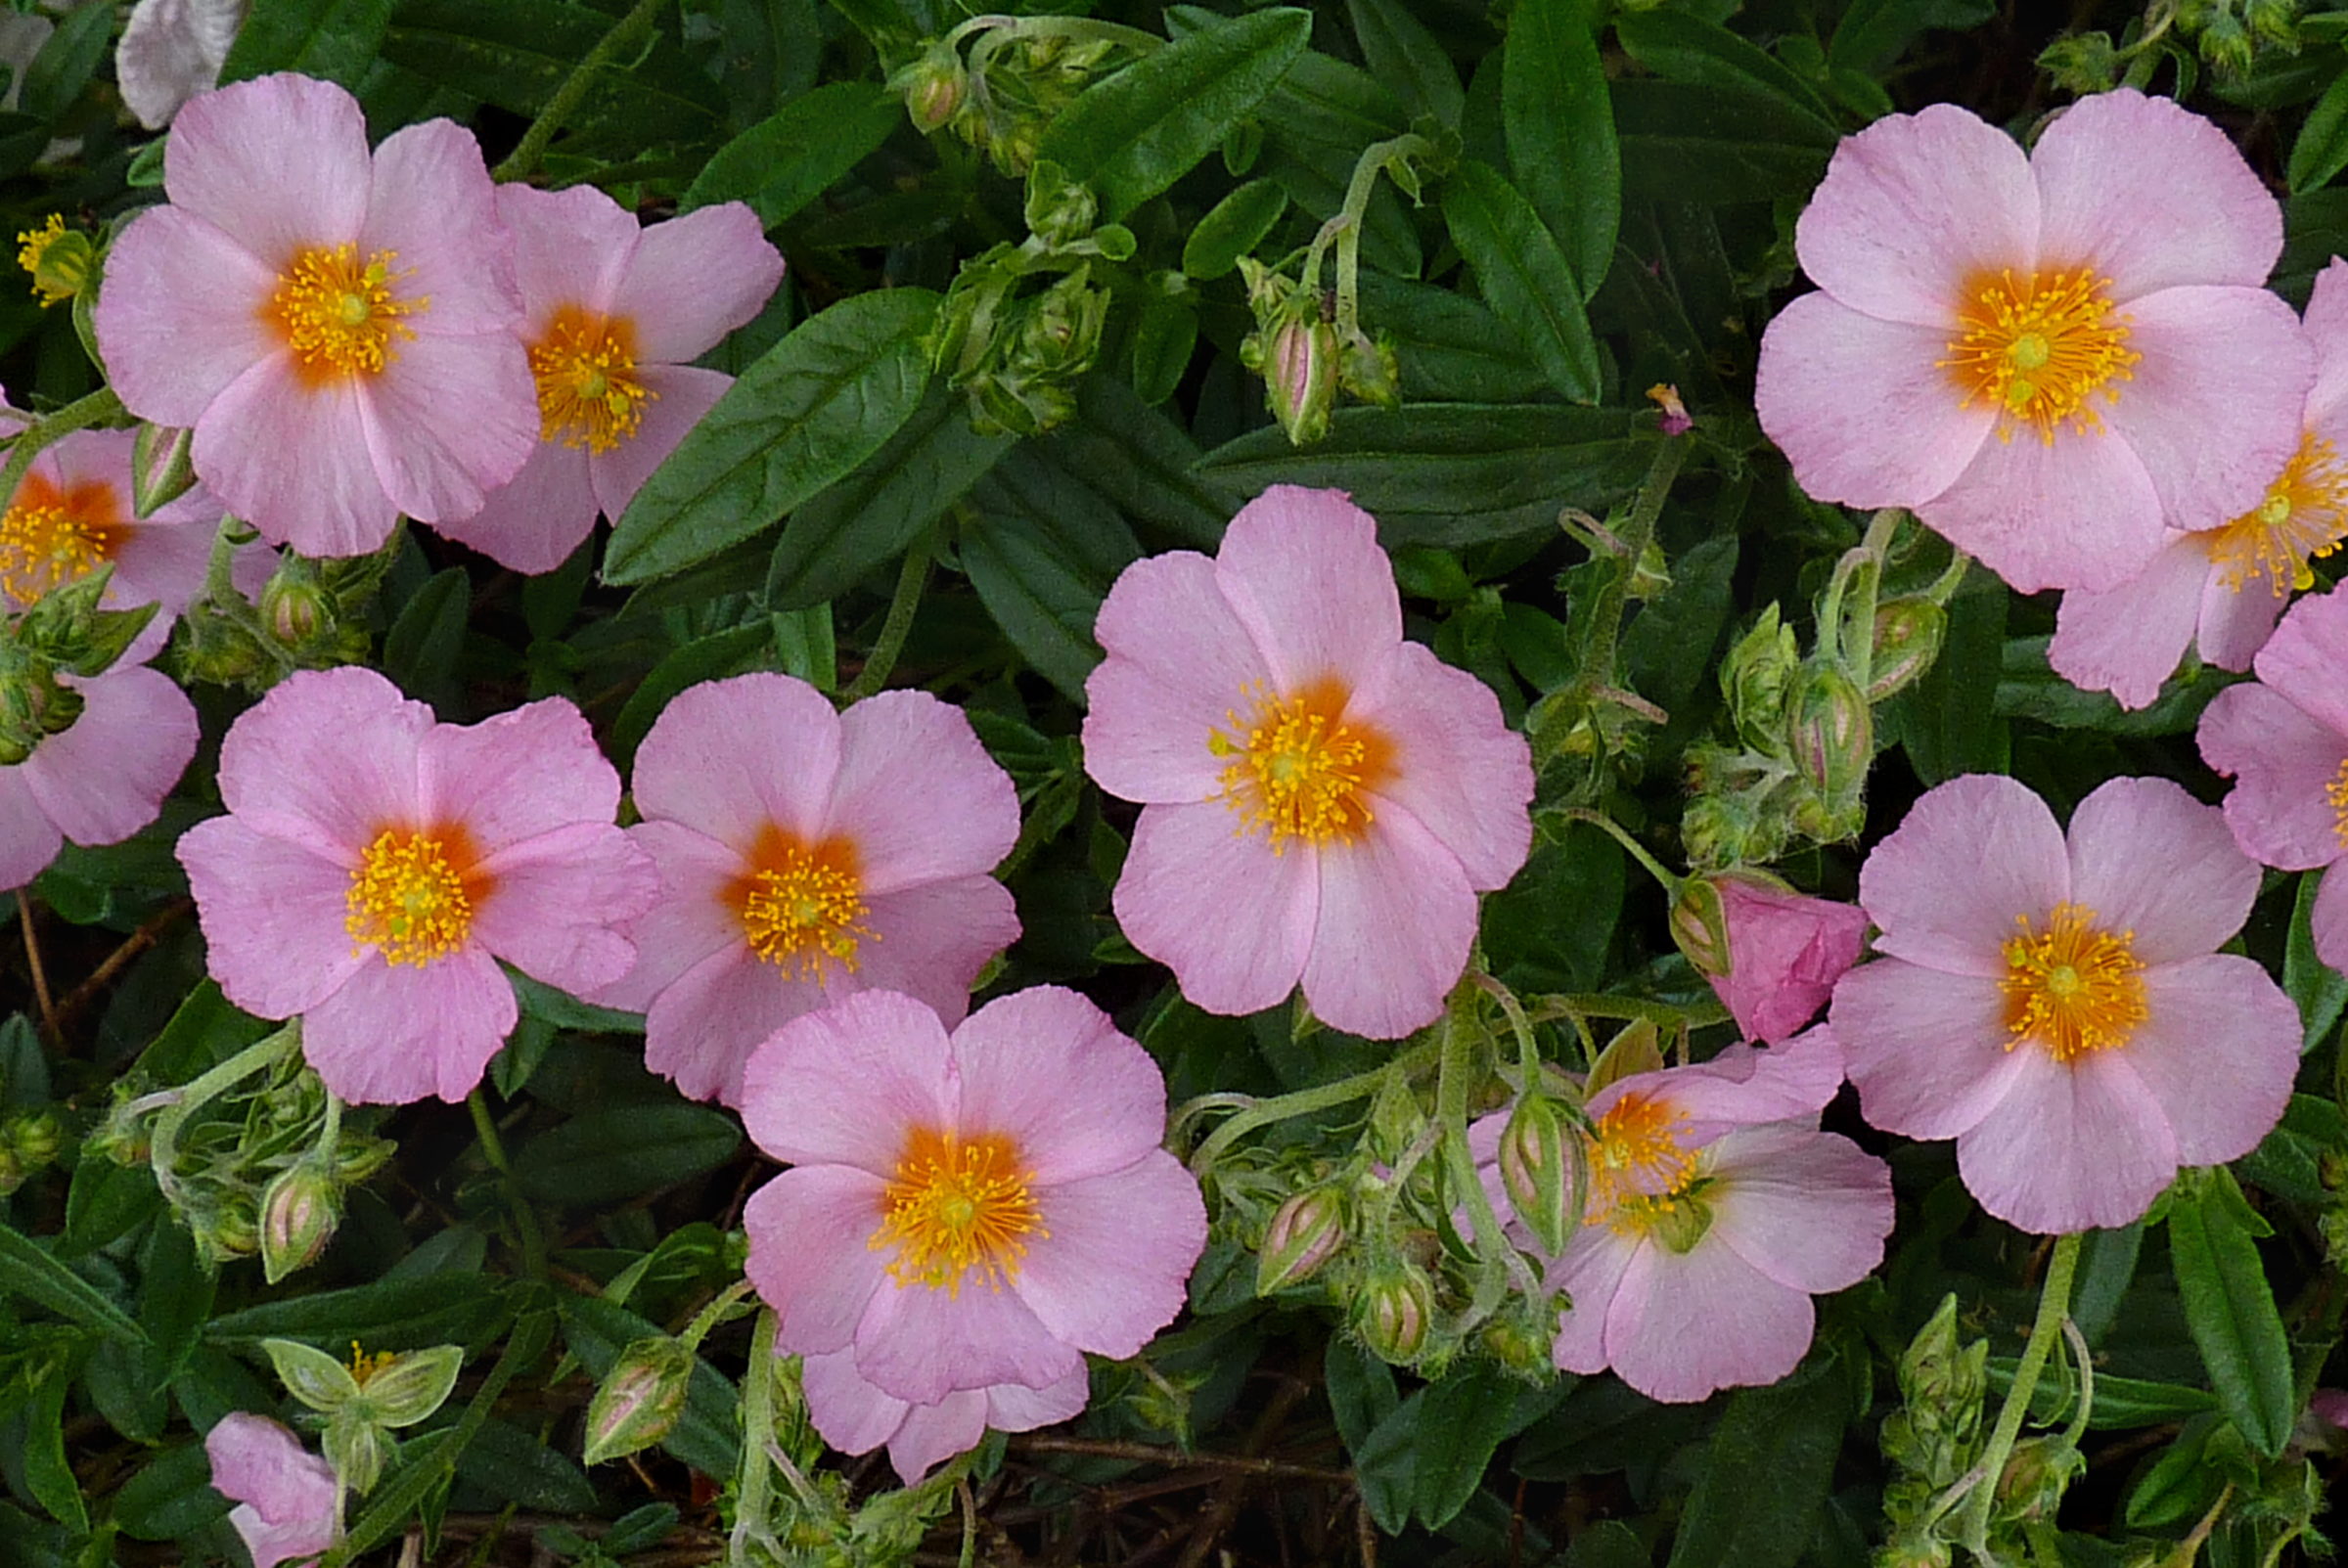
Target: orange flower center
2337,793
2038,348
803,906
51,536
2303,517
588,394
1297,768
1641,1175
2072,987
956,1205
341,317
411,898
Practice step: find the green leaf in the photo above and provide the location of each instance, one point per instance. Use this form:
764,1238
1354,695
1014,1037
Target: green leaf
1449,347
2320,150
1042,553
1232,228
810,410
423,646
1147,126
786,160
2122,1404
1401,53
336,39
2289,1161
1386,1465
1462,1420
56,76
28,1270
1687,49
171,1495
1163,338
465,1309
1523,274
2320,990
513,1466
2230,1310
1767,1473
1558,123
1714,145
1667,649
1361,1389
737,652
1943,723
610,1155
2178,1486
48,1475
1144,463
1873,33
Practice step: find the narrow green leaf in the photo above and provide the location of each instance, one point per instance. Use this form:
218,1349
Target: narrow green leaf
622,1151
2178,1486
813,407
57,74
48,1475
2230,1310
1232,228
1523,274
1135,134
1163,338
1386,1465
1558,123
170,1496
1144,463
1944,725
1688,49
1401,53
336,39
2122,1404
1361,1391
1042,553
514,1467
28,1270
1681,142
1450,348
2320,990
2289,1161
464,1308
1462,1420
421,650
786,160
1767,1473
1873,33
2320,150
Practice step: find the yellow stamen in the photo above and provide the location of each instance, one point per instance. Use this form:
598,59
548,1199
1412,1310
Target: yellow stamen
58,259
53,536
1298,769
411,898
364,1366
588,394
2337,793
2038,348
803,906
2303,517
1638,1169
338,317
2073,987
957,1204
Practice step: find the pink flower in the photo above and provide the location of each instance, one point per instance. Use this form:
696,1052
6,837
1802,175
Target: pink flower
285,1494
966,1215
338,329
2057,1006
171,51
806,855
1716,1210
101,780
376,865
615,315
2048,359
1784,953
2223,588
1322,800
2283,739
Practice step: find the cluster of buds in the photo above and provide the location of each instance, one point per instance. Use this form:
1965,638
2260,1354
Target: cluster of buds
2231,36
365,1401
63,634
1306,354
1935,1435
1021,74
311,615
29,1142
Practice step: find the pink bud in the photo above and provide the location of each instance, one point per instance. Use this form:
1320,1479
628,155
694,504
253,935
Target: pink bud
1785,952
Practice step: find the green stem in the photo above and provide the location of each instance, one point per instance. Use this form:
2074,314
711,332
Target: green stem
2053,1307
1304,1101
1858,574
162,1142
1637,531
35,439
1344,229
1528,1052
753,1489
1452,1081
1622,836
1672,1015
525,1217
913,578
522,162
717,1311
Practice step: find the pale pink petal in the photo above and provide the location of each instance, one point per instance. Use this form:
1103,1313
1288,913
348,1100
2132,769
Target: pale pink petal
1785,952
2072,1148
326,760
1914,207
1180,669
1946,886
1684,1326
1860,408
2079,511
433,208
559,905
1455,765
922,1343
694,279
1016,1407
525,772
2128,640
164,564
2213,408
272,913
532,523
1589,1271
570,249
702,1027
396,1033
279,162
287,1493
173,50
811,1257
2236,620
2303,660
1397,919
680,395
1233,921
732,757
693,916
918,795
1929,1053
847,1412
2326,324
293,462
28,840
2218,1050
847,1085
1806,1209
106,778
932,1434
1046,1068
450,420
1303,572
2152,195
1741,1087
2328,921
1111,1273
2151,860
179,315
930,942
2281,763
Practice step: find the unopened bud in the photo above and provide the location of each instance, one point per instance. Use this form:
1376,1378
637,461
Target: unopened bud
1699,926
34,1138
641,1398
1301,378
1907,637
1757,677
934,88
59,258
1305,1233
163,466
1831,735
299,1210
1393,1310
2040,1470
1536,1166
1370,371
294,612
234,1231
1918,1549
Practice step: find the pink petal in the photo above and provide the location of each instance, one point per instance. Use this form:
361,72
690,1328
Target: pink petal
930,942
918,795
255,1460
2303,660
1970,856
1785,952
811,1257
2072,1148
1232,920
395,1034
327,760
532,523
1303,572
1806,1209
106,778
1046,1068
570,249
2218,1052
1929,1053
847,1412
846,1085
561,902
173,50
1590,1271
694,279
1111,1273
1913,207
2326,324
691,920
1180,668
28,840
2080,512
1015,1408
450,420
2328,921
432,205
932,1434
1684,1326
2236,620
701,1029
1860,408
922,1343
2281,762
680,395
732,757
279,162
1457,767
179,315
2151,860
272,913
1397,919
2128,640
2152,195
509,779
295,463
1741,1087
2213,408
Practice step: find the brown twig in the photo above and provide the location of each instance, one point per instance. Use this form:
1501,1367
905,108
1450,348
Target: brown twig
1175,1459
138,942
1224,1507
32,956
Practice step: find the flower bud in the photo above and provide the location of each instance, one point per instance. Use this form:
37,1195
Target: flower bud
1917,1549
1536,1166
1785,950
233,1230
1699,926
1393,1310
934,88
1305,1233
299,1210
1755,678
1370,371
1830,732
59,259
295,611
2040,1470
34,1138
1908,639
1300,378
639,1399
162,468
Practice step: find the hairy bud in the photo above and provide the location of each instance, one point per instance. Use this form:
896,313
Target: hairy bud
1305,1233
